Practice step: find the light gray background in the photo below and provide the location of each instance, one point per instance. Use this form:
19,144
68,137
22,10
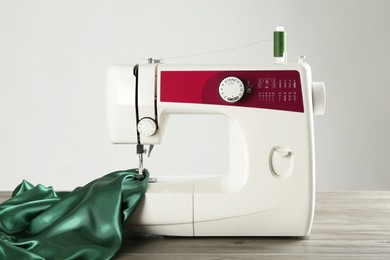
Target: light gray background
54,54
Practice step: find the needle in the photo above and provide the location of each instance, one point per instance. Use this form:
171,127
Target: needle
140,152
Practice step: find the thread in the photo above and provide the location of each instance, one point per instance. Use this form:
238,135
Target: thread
216,51
279,42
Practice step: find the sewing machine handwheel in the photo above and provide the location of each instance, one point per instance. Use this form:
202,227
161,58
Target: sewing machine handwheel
147,126
319,98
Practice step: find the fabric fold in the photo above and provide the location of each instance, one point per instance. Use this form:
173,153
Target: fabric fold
87,223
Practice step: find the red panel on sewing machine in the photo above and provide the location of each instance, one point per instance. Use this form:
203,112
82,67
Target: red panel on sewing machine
279,89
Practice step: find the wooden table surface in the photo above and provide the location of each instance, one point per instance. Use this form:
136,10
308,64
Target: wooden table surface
347,225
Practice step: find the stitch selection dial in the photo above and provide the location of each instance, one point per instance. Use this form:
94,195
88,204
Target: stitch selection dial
231,89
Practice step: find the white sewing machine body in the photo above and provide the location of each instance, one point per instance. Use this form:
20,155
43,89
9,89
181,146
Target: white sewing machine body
270,188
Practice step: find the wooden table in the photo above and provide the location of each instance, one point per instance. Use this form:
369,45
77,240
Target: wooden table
347,225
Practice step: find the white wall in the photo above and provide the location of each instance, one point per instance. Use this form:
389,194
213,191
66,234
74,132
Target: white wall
53,57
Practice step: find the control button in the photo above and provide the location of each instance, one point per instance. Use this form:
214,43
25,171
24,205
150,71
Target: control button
147,127
281,161
231,89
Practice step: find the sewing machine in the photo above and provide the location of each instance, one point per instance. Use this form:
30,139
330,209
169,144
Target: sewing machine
269,190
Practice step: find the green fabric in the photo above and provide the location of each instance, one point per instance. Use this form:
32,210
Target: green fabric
38,223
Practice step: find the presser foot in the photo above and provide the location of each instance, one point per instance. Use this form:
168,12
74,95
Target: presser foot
140,177
141,151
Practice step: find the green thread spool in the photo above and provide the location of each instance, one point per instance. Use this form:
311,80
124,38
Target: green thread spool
279,42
